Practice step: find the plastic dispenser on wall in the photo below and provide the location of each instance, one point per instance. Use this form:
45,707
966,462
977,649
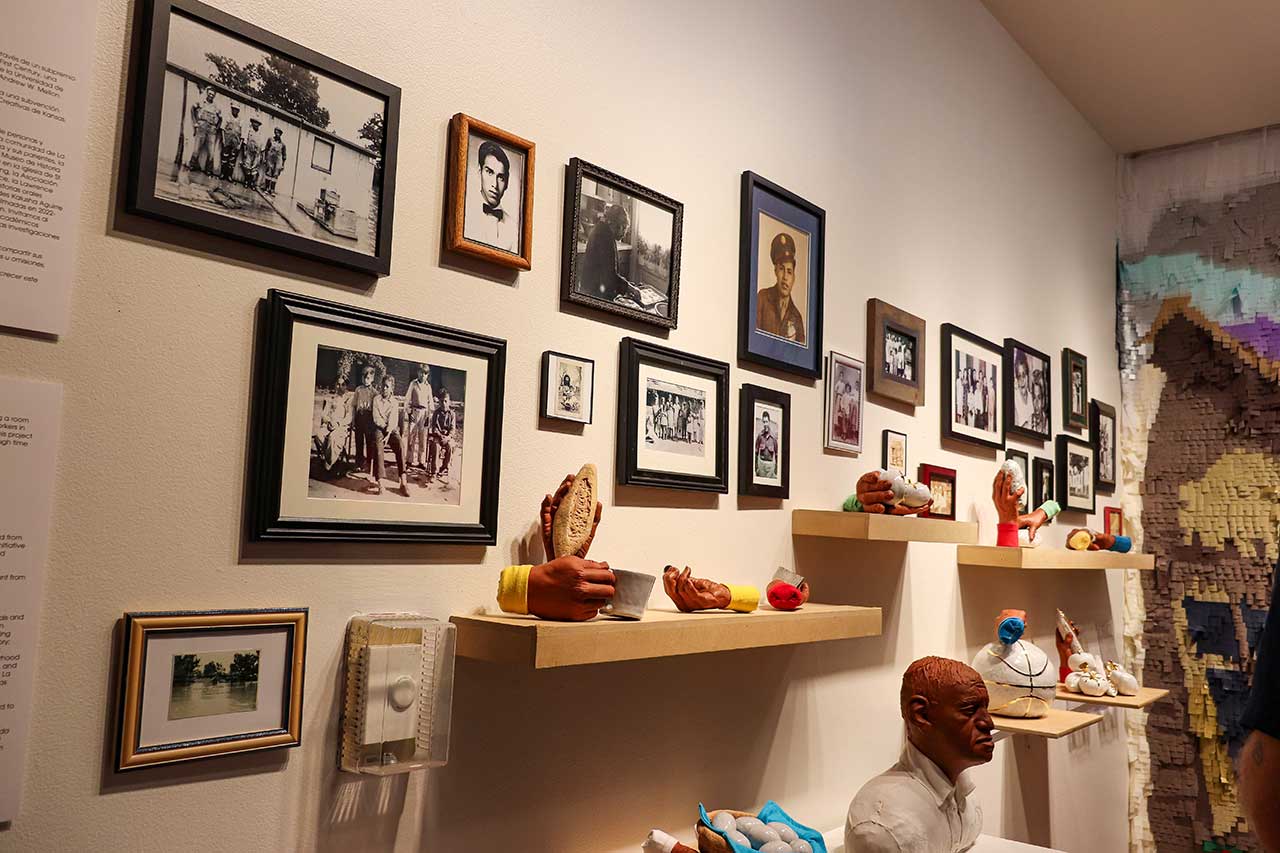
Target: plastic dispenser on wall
399,693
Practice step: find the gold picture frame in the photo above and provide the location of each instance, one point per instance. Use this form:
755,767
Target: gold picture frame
461,160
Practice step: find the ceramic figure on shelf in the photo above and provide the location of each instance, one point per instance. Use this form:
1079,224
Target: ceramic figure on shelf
787,590
570,516
660,842
1071,653
1125,683
691,594
1019,677
886,490
1014,528
1083,539
1089,682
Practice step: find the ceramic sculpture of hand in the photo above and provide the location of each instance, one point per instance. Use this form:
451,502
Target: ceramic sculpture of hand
569,589
1006,499
876,494
550,505
690,594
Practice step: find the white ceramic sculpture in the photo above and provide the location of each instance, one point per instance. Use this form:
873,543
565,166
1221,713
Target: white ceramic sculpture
1125,683
905,492
1089,682
1019,677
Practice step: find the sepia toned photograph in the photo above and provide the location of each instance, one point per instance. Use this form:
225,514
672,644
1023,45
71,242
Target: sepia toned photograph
972,394
674,420
490,202
893,450
1075,474
844,403
942,487
211,683
568,387
782,283
1027,389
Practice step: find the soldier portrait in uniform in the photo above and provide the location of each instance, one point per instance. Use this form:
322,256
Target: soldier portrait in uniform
490,202
782,292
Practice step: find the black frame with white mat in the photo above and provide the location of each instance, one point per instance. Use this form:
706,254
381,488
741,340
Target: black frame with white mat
755,402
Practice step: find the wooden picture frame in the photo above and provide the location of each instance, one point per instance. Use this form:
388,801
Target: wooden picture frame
654,448
756,476
938,476
971,360
1104,434
1113,520
893,442
147,736
893,374
845,403
1024,458
464,167
292,209
554,407
1075,402
1071,450
1024,415
1042,480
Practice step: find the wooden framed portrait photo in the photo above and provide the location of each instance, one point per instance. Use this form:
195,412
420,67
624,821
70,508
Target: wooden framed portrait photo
490,202
368,426
568,387
845,398
895,352
782,245
942,485
1075,474
1103,431
1027,391
972,394
243,133
1075,390
673,419
764,442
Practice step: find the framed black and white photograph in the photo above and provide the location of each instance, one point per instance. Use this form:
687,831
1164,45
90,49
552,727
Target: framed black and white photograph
490,202
374,427
781,250
896,353
845,400
568,387
972,394
1041,482
1103,432
621,246
1075,390
1027,391
673,419
1023,461
1075,474
893,450
243,133
764,442
202,684
941,483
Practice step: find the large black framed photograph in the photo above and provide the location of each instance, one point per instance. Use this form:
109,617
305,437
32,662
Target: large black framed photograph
764,442
673,419
972,394
1075,474
1027,391
1075,390
780,266
368,426
243,133
1102,432
621,246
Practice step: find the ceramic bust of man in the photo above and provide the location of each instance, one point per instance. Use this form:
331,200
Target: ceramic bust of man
925,803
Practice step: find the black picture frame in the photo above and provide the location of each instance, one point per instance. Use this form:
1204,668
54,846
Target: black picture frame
571,266
884,450
1011,426
632,354
1041,466
544,394
144,142
1098,411
950,334
1022,456
794,212
1075,417
748,396
1065,443
268,423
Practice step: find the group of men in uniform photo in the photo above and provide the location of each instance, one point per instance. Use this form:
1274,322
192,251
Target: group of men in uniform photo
223,148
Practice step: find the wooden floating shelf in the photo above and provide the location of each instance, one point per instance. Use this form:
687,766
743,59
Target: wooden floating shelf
1146,696
874,527
532,642
1050,558
1055,724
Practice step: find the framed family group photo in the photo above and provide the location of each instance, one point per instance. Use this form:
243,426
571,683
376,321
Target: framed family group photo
764,442
373,427
568,387
490,203
1075,474
781,251
972,394
896,353
1027,391
243,133
673,419
845,401
621,246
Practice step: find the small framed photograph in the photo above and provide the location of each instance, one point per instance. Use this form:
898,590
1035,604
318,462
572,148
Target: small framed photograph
764,442
673,419
942,485
1027,391
1075,474
490,204
893,450
621,246
1023,461
1075,390
1041,481
243,133
845,400
568,387
373,427
1102,434
1113,520
896,353
201,684
972,394
781,250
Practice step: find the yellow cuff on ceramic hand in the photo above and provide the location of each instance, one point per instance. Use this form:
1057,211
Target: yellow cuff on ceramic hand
513,589
743,599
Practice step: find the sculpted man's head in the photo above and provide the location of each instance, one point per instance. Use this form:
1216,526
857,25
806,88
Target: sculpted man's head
495,172
944,704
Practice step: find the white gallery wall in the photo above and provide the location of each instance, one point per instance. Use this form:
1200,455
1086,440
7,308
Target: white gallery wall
958,185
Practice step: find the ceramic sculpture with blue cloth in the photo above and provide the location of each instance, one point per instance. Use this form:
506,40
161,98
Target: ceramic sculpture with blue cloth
1018,675
760,832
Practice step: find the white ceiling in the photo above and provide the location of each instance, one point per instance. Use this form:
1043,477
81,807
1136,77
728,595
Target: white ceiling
1151,73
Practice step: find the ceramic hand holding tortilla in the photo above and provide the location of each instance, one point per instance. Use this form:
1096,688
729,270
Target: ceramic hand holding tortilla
570,516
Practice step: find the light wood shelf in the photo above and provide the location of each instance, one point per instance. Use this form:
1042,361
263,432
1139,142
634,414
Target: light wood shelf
1050,558
874,527
1055,724
1146,696
532,642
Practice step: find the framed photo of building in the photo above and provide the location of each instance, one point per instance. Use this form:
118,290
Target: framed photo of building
1027,391
201,684
845,402
972,394
621,246
368,426
673,419
1075,390
1103,430
942,485
893,450
490,202
764,442
782,246
568,387
1113,520
243,133
896,353
1075,474
1023,461
1041,481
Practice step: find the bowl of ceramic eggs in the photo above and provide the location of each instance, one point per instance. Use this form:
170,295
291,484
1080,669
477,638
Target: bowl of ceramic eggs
751,833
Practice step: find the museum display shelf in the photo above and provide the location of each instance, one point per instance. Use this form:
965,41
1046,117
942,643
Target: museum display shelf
1050,558
1055,724
532,642
1146,696
873,527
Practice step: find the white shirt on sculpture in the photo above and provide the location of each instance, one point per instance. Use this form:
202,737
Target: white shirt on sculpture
913,808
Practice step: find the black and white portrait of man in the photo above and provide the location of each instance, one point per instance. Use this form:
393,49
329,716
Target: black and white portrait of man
494,193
